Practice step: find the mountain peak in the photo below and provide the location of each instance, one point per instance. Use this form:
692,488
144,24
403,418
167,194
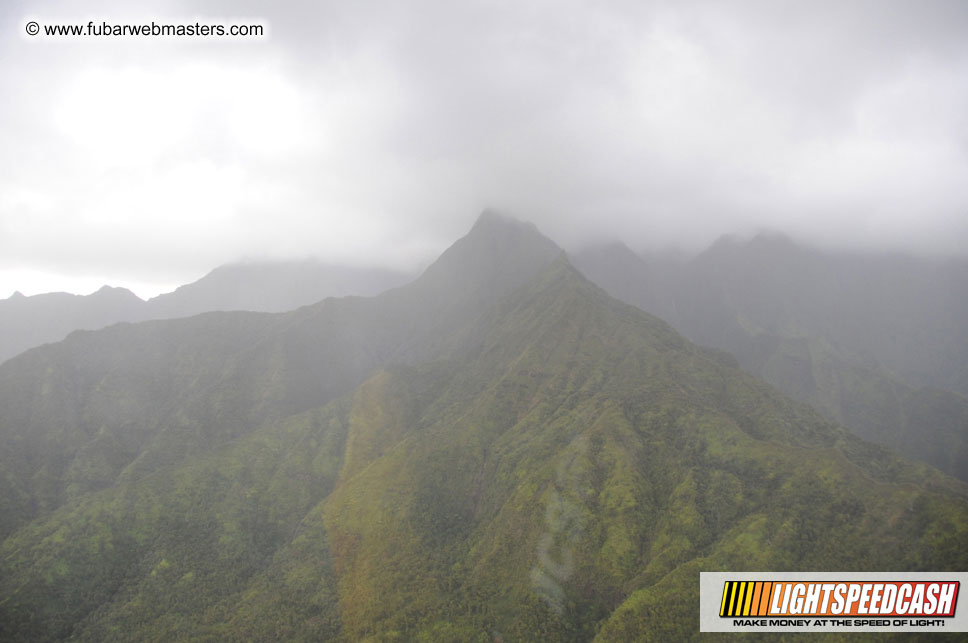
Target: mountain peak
491,220
764,244
115,293
498,255
491,215
498,251
773,239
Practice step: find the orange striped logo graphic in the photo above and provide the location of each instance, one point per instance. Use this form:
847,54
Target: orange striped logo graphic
849,598
746,598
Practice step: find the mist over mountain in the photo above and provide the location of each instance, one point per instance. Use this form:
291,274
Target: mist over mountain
271,287
378,418
26,322
234,372
497,450
877,342
30,321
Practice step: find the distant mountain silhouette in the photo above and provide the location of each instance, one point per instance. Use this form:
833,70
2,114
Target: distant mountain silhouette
271,287
26,322
31,321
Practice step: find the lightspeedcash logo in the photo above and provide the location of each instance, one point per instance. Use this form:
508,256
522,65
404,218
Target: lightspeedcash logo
831,602
765,598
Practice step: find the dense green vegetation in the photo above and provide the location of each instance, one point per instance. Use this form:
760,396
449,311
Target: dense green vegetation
543,463
875,343
169,555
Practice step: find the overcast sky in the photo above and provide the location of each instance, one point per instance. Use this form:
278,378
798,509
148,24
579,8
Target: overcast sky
375,132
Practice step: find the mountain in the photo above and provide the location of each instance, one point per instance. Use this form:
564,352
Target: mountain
496,451
908,315
31,321
874,342
132,397
26,322
271,287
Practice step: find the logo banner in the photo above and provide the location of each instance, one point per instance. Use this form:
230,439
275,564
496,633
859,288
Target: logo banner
832,602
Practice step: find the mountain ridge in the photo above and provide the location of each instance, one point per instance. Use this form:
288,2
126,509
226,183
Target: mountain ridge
550,463
267,362
26,322
828,329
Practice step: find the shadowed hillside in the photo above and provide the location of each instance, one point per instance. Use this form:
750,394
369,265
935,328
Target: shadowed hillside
876,343
26,322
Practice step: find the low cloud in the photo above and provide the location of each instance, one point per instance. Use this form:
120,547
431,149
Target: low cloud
373,133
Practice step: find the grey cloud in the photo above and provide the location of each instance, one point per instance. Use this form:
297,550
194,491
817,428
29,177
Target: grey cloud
379,130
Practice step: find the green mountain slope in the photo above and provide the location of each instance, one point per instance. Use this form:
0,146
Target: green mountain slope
867,341
155,558
600,457
536,461
114,405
